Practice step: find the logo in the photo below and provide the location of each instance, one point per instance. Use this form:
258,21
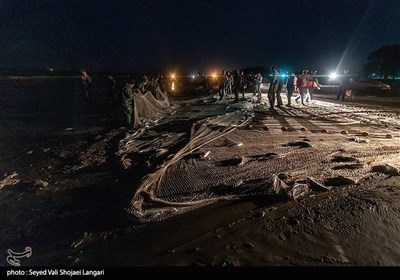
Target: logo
13,257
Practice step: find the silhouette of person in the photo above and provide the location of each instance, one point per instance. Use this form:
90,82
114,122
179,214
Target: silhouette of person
86,85
274,76
127,100
343,85
290,86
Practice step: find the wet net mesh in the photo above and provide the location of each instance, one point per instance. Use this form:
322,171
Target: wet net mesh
148,109
243,153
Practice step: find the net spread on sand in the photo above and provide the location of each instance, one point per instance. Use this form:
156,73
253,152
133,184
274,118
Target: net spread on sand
233,151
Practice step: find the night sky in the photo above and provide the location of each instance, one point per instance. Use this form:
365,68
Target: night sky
190,36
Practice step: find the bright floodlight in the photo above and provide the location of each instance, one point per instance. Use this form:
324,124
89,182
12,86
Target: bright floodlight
332,76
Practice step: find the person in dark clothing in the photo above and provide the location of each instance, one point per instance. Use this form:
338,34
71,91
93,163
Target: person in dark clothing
244,83
86,81
237,84
127,100
274,75
153,85
343,85
290,86
205,83
221,85
163,83
281,81
143,85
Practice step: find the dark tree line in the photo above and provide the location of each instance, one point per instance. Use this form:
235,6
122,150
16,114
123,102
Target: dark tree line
385,61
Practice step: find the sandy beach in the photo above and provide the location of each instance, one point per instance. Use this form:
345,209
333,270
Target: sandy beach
212,184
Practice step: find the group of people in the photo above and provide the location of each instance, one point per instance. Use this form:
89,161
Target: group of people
144,101
232,83
304,84
151,93
229,83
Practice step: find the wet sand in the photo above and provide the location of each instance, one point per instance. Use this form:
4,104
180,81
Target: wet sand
72,195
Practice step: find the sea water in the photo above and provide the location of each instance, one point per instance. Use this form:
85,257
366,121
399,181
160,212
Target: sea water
34,109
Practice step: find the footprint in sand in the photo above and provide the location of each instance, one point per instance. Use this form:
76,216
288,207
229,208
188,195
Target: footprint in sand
344,159
349,166
230,162
386,169
300,144
338,181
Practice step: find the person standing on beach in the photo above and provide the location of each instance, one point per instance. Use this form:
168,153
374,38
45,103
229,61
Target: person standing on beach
237,85
127,100
163,83
143,85
221,85
274,76
290,86
244,83
343,85
281,82
229,84
86,85
314,85
301,84
257,85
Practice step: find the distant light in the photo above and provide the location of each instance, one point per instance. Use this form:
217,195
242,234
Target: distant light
173,76
193,77
51,69
173,86
283,75
332,76
214,75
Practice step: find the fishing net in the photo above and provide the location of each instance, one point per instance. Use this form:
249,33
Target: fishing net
240,150
148,109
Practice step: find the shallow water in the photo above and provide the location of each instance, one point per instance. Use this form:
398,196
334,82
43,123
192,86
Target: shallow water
44,103
35,110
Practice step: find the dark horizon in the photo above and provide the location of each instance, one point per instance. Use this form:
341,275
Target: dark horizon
194,36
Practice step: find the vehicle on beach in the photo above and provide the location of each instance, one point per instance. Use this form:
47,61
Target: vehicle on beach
365,85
